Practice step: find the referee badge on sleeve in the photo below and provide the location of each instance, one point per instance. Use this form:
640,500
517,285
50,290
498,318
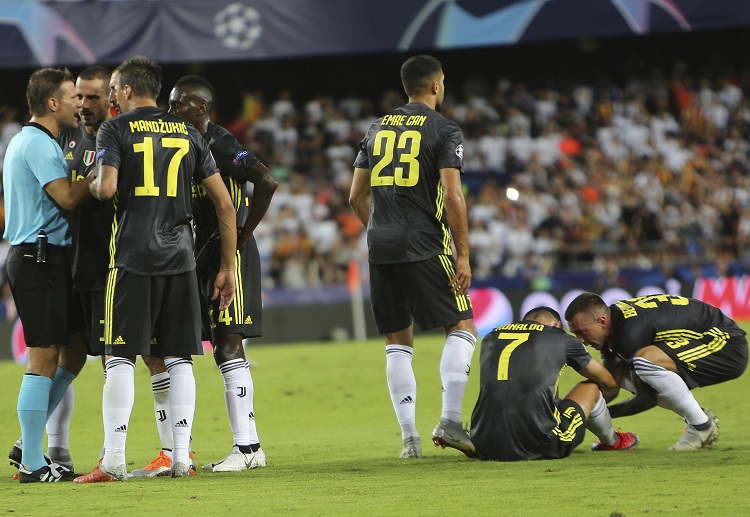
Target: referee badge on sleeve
460,151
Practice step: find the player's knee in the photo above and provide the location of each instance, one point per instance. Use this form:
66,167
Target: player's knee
228,348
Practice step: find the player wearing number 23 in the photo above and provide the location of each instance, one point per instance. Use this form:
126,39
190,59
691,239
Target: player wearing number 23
407,192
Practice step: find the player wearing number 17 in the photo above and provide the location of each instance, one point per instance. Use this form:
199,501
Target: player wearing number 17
407,192
147,161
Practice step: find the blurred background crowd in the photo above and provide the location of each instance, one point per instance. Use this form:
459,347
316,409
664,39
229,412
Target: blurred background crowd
559,175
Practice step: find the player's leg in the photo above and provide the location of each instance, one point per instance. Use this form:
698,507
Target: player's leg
391,304
41,293
402,386
657,369
161,465
598,420
127,300
177,337
438,306
238,397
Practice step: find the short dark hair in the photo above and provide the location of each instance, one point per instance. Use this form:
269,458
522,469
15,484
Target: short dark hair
44,84
142,74
200,86
96,72
536,312
418,72
584,302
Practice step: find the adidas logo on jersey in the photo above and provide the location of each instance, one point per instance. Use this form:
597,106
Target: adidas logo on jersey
122,429
182,423
153,341
248,321
69,156
118,341
407,400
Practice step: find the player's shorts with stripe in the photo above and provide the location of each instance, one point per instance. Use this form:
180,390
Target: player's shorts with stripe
138,307
569,433
87,317
245,315
707,358
42,293
416,291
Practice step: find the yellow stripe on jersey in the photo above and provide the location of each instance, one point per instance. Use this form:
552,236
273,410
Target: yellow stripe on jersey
235,192
677,338
462,300
239,295
109,299
720,339
569,434
112,238
440,206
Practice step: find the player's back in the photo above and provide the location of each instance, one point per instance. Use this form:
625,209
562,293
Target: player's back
405,151
158,155
92,221
520,364
644,320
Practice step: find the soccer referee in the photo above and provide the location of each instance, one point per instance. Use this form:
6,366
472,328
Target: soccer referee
38,199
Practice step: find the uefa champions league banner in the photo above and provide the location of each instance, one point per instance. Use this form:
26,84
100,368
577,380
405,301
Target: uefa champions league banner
107,32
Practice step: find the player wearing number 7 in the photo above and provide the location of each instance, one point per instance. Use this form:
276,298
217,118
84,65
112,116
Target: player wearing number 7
519,415
407,192
147,161
672,344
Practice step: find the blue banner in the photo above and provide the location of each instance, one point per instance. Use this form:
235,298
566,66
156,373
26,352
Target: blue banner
106,32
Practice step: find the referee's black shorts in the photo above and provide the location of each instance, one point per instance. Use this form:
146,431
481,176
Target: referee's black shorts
42,293
417,291
151,315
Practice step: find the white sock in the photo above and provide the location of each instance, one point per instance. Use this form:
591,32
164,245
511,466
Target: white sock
454,372
672,391
600,423
117,404
403,387
237,391
160,389
252,429
181,406
58,425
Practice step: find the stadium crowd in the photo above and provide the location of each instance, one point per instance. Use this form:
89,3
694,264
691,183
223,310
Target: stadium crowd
555,177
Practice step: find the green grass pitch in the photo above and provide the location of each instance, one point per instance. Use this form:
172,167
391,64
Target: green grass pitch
326,423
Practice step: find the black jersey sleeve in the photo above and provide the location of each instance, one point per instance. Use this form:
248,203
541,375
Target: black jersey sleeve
576,354
107,147
451,153
205,165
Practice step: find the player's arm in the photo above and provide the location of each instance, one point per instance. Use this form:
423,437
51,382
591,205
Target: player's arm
68,194
455,211
359,196
104,185
224,284
264,186
596,372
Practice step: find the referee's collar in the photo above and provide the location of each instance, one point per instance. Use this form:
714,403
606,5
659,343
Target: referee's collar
41,128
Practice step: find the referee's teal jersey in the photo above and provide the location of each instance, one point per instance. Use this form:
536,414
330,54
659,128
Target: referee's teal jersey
34,159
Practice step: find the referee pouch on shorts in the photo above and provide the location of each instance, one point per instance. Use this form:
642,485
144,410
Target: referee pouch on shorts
29,252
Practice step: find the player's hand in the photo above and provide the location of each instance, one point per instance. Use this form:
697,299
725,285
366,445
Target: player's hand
461,281
224,287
